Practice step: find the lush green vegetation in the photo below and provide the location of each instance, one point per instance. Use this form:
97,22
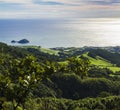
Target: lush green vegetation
31,79
101,62
44,50
108,103
112,57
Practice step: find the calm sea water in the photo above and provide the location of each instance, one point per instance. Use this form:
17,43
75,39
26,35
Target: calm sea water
62,33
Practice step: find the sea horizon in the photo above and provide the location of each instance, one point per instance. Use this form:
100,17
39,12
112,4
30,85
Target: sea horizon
50,33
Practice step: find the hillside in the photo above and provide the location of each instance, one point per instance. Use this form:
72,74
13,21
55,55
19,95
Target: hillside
104,57
101,62
44,50
36,78
107,57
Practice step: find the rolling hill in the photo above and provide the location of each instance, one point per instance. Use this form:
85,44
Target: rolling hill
103,57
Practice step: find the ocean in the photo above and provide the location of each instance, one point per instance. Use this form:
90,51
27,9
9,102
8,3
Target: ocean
62,33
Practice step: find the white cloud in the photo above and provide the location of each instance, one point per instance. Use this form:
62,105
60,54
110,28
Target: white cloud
76,8
65,1
39,12
16,1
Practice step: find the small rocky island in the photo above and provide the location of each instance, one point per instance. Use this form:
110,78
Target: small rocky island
22,41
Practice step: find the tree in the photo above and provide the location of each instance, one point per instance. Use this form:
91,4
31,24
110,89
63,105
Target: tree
79,65
19,78
96,71
50,68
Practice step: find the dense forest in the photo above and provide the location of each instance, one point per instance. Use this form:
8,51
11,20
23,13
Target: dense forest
72,79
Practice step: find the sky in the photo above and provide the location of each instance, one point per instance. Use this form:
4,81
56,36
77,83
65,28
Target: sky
59,9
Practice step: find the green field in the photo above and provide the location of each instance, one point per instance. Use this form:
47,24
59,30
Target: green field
50,51
103,63
45,50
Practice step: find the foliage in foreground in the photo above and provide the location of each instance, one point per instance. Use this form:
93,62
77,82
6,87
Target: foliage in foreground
25,79
108,103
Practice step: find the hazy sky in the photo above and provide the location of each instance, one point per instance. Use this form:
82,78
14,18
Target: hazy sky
68,9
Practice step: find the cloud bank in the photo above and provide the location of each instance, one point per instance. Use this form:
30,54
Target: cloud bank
59,8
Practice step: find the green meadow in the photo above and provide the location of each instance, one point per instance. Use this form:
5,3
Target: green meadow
103,63
44,50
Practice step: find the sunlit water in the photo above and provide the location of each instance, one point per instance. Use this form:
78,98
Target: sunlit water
62,33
